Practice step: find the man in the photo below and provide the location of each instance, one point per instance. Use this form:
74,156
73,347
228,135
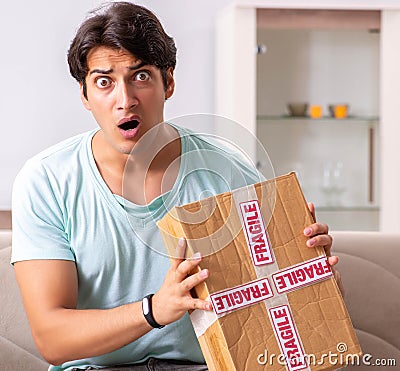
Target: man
85,241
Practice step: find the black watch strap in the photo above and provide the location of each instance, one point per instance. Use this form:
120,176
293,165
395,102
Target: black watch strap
148,311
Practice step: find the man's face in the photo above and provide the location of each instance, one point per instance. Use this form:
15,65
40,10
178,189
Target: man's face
125,96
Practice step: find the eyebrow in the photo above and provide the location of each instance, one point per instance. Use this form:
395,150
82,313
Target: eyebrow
107,72
137,66
103,72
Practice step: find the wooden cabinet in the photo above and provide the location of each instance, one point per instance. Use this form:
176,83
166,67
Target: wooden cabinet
336,163
361,142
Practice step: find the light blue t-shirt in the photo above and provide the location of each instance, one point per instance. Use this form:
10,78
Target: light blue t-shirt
62,209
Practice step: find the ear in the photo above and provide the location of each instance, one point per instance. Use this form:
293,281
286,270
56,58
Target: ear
83,98
170,83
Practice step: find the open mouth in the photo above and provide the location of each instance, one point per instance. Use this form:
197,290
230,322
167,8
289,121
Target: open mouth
129,125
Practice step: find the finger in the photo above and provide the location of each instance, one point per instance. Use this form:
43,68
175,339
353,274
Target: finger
195,279
179,253
315,229
200,304
333,260
324,240
185,267
311,207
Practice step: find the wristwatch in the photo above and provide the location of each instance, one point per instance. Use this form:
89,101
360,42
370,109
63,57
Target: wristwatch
148,312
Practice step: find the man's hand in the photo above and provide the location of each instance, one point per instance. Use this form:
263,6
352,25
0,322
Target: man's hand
318,236
174,298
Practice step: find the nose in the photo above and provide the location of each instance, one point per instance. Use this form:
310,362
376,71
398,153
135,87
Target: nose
125,96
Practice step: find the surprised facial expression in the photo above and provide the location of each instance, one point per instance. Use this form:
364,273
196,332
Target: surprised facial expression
125,96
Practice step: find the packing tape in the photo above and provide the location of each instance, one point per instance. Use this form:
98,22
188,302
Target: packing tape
202,320
261,289
248,196
278,307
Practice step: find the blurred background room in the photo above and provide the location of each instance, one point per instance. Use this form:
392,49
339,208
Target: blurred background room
246,61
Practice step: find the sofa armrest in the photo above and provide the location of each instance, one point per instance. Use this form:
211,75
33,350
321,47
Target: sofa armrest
17,348
369,265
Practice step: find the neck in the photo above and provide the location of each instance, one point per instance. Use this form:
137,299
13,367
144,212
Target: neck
153,166
148,171
109,162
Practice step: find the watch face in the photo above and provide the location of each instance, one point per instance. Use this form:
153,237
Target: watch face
146,308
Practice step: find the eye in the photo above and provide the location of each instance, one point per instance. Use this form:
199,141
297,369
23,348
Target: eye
103,82
142,76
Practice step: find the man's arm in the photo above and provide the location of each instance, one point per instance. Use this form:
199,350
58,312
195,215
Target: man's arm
63,333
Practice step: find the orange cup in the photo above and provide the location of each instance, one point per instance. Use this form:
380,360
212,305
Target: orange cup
315,111
340,111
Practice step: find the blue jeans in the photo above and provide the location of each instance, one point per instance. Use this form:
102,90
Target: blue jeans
153,364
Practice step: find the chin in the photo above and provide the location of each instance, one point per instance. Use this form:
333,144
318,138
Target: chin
126,150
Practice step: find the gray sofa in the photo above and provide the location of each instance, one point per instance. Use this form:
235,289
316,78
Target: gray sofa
370,270
369,265
17,350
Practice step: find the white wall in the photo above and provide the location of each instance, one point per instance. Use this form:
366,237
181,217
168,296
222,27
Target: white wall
39,101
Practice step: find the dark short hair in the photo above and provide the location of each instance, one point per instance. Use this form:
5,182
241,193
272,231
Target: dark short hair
122,25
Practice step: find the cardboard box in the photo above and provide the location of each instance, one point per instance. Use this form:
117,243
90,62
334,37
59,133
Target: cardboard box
274,298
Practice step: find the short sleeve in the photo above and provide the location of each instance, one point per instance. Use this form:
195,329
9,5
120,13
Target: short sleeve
244,173
38,218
